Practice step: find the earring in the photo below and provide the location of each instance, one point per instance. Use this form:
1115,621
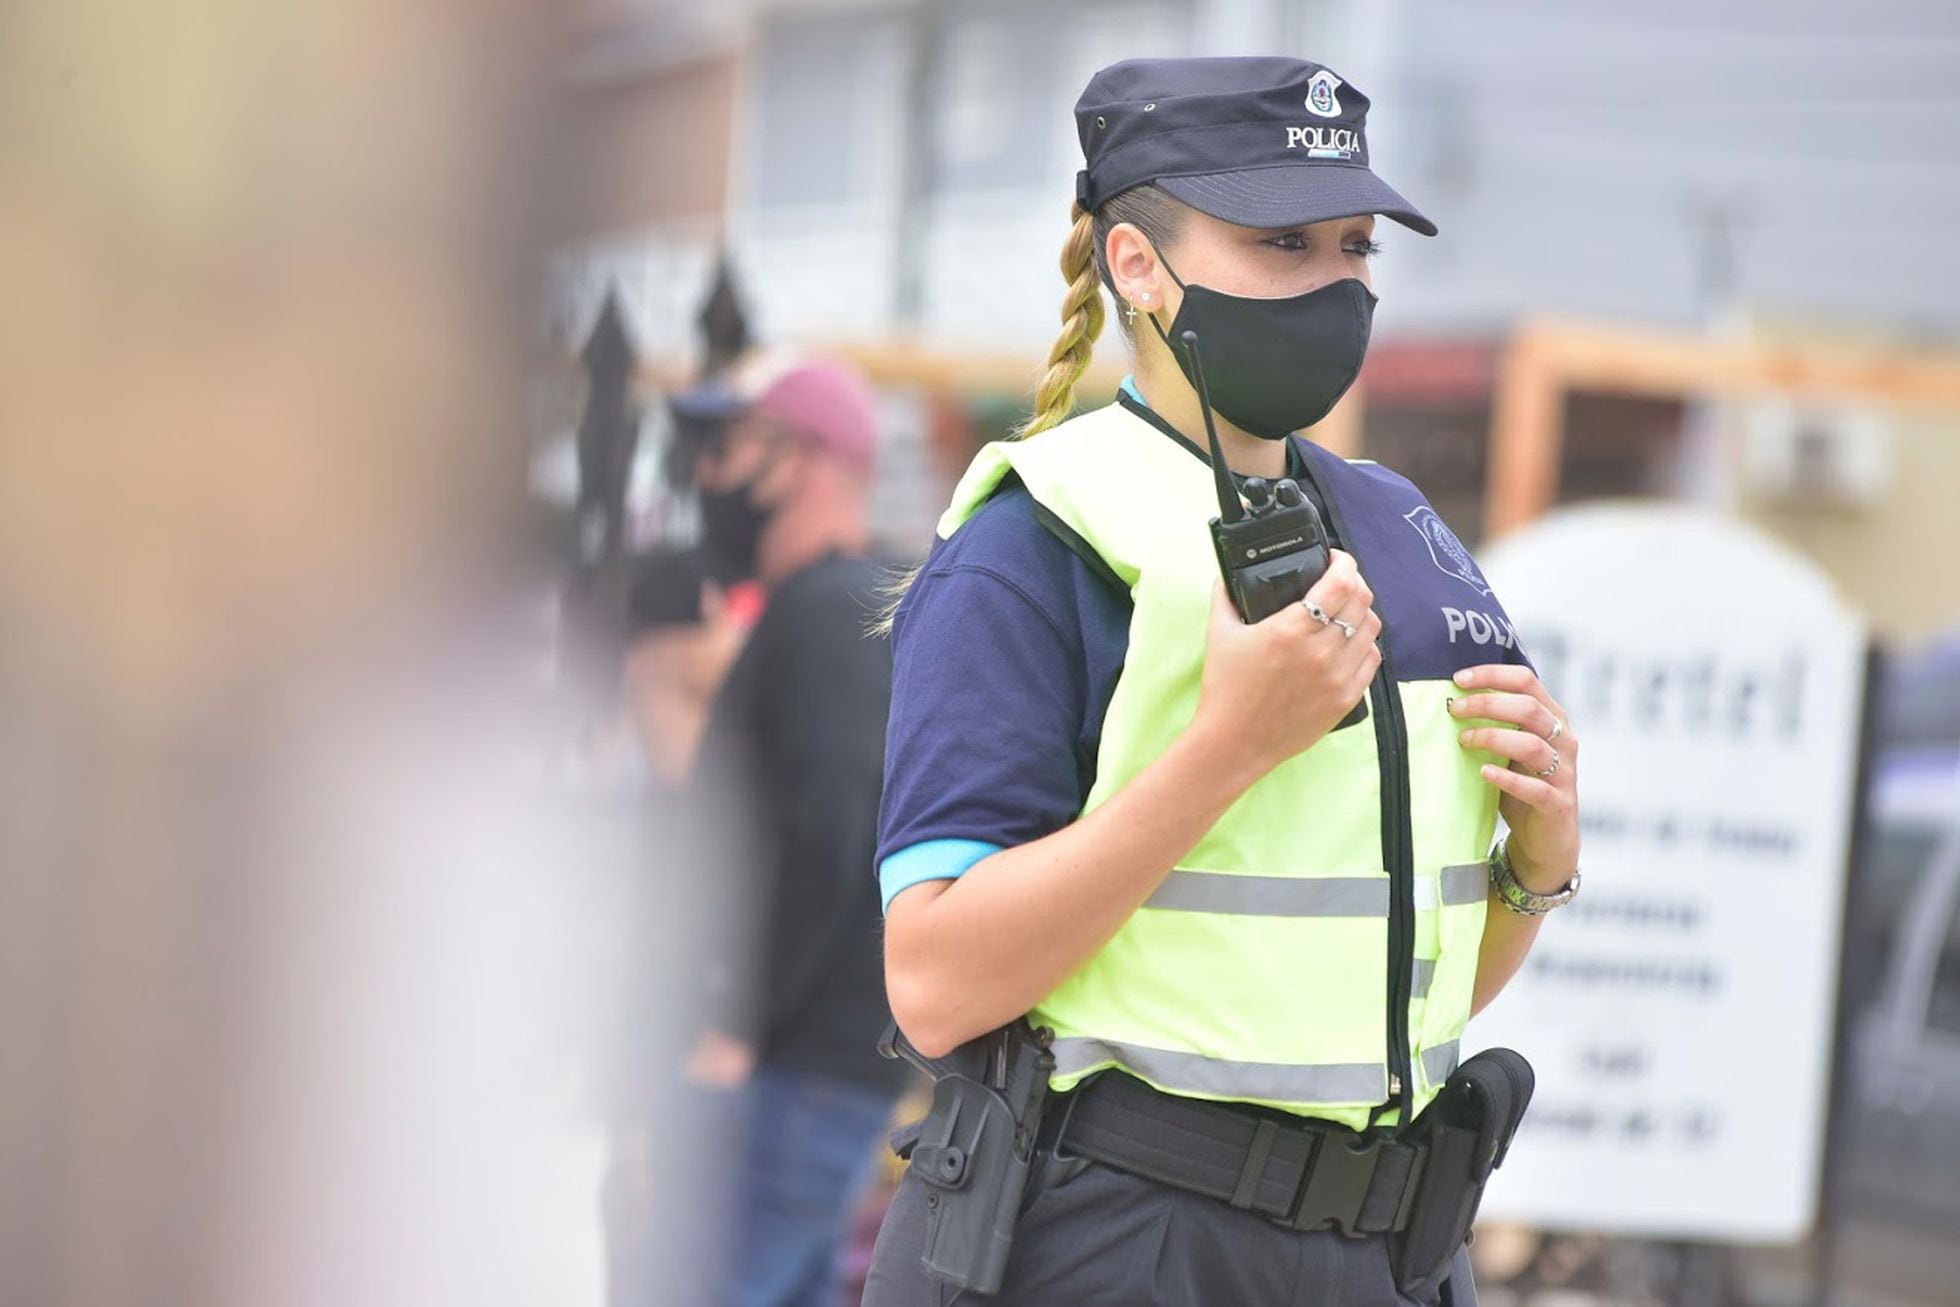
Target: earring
1130,314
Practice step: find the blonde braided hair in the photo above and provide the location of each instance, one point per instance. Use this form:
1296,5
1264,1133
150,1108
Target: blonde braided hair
1084,268
1082,322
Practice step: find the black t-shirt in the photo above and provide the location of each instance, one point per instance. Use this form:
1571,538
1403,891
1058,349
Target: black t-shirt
789,779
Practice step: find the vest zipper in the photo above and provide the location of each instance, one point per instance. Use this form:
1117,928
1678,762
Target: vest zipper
1398,837
1392,742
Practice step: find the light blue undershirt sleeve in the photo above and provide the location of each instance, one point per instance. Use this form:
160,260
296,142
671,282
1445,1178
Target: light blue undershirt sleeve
1129,387
929,860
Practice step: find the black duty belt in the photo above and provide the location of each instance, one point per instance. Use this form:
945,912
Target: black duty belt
1301,1173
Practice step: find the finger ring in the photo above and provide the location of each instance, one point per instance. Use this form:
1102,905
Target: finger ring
1347,628
1558,729
1316,612
1554,767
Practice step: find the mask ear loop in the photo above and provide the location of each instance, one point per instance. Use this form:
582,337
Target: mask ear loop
1161,333
1168,268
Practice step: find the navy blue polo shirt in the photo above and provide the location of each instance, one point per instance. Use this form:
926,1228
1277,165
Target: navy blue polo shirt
1006,650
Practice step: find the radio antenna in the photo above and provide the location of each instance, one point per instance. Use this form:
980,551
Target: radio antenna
1229,507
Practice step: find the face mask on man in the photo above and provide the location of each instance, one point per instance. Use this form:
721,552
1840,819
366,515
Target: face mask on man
731,529
1273,366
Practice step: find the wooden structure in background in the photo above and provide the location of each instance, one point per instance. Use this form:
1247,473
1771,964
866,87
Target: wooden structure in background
1010,374
1546,361
961,374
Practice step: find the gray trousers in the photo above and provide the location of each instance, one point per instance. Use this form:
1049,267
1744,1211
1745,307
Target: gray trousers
1093,1236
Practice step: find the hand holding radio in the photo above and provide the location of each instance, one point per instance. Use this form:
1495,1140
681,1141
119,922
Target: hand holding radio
1274,553
1275,687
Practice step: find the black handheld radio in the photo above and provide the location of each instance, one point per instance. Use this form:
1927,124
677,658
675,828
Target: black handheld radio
1272,547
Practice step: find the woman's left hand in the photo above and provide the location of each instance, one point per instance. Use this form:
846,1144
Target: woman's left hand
1539,791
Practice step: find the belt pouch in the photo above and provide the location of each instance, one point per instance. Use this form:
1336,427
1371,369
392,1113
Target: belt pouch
1468,1130
1446,1203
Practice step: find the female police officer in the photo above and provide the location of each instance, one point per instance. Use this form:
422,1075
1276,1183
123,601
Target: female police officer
1115,807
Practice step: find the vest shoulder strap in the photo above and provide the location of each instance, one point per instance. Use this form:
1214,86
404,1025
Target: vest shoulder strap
1103,482
1098,565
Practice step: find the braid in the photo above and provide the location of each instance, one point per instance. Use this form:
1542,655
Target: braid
1082,322
1160,218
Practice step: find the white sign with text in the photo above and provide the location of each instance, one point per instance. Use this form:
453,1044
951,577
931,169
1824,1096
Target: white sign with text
1679,1012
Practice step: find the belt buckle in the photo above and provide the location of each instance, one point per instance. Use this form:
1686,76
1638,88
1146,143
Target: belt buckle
1335,1184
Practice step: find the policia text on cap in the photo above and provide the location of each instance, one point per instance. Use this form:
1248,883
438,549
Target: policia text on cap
1189,955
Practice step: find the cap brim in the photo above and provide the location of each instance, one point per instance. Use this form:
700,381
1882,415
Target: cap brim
1290,195
709,403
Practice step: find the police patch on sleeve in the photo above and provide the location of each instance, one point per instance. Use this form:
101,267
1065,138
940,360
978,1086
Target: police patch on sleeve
1445,549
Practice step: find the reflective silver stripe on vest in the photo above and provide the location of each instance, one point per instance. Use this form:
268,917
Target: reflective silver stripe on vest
1300,896
1464,883
1439,1062
1281,1082
1425,972
1272,896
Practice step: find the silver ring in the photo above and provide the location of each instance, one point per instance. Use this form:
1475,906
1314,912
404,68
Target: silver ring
1347,628
1558,729
1316,612
1551,769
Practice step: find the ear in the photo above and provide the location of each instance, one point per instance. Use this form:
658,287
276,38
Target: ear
1134,268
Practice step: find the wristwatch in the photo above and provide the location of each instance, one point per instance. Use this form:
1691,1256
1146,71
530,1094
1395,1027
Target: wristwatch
1513,895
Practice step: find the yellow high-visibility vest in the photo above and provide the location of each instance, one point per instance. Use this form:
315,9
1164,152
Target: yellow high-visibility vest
1317,949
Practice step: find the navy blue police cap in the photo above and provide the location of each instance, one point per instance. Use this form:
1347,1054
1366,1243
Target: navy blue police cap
1259,141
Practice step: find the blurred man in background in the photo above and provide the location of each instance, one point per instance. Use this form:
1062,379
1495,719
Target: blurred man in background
681,642
789,777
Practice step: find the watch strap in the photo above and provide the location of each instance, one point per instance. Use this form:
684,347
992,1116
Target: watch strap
1512,893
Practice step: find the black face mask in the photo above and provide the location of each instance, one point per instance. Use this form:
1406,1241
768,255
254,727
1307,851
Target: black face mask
731,531
1274,366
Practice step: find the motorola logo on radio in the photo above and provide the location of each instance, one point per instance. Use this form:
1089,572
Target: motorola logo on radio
1277,547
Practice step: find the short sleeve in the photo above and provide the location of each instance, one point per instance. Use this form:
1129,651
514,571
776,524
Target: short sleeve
989,699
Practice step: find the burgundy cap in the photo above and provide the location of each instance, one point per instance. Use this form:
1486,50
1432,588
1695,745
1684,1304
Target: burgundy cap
828,403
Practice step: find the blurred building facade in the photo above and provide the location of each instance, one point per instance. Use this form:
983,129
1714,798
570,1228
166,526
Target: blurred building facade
894,176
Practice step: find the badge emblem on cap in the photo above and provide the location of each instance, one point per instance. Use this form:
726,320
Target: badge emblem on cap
1320,94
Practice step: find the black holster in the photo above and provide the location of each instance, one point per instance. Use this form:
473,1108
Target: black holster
1465,1134
974,1148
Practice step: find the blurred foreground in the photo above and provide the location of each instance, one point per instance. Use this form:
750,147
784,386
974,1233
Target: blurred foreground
302,971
